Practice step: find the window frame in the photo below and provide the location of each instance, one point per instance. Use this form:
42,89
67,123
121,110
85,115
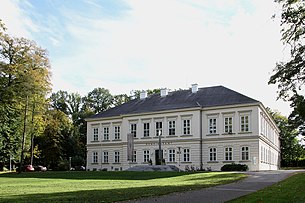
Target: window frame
117,132
116,156
227,126
171,127
212,154
171,155
133,129
146,156
159,128
246,152
146,129
95,133
105,157
228,155
212,126
186,123
106,133
244,124
94,157
186,155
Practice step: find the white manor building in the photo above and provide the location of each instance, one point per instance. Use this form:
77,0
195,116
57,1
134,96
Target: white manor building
200,128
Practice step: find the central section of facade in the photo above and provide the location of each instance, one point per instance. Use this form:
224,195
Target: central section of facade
200,129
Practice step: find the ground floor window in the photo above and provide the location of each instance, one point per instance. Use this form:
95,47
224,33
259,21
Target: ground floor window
95,157
186,155
171,155
116,157
228,154
105,157
244,153
212,154
146,157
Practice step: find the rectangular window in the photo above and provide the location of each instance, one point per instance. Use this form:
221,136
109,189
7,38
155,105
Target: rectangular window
116,157
158,128
117,132
244,123
106,133
186,155
133,129
95,157
228,154
105,157
244,153
228,125
212,125
171,155
146,129
146,157
171,127
186,127
95,134
134,158
213,153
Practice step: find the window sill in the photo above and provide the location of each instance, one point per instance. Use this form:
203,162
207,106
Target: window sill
172,162
228,162
246,132
186,136
105,163
157,137
212,162
95,141
105,140
228,134
117,163
94,163
132,162
186,162
212,134
171,136
244,161
144,138
117,140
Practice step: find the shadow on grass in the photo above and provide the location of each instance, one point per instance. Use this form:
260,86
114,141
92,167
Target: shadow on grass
96,175
112,195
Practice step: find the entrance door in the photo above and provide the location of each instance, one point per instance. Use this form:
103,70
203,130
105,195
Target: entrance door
157,158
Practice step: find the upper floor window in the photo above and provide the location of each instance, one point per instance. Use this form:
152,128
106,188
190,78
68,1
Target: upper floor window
116,157
228,124
106,133
95,157
213,154
187,127
244,123
228,154
117,132
171,155
212,125
95,134
186,155
133,129
171,127
158,128
146,129
105,157
244,153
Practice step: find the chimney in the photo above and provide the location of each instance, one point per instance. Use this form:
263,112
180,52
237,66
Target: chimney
143,94
164,92
194,88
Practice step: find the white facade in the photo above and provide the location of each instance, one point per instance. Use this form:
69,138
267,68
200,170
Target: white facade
192,137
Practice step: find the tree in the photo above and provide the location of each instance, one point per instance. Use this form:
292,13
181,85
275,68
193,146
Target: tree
291,149
24,80
290,75
120,99
98,100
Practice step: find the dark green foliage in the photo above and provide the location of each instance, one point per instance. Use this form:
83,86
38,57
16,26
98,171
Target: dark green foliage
234,167
290,75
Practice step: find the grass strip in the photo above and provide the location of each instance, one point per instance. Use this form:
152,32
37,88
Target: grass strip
103,186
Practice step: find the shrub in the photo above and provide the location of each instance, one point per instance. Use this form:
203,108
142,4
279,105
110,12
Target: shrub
234,167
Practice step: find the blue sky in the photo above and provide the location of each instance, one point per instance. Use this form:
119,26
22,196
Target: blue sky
131,44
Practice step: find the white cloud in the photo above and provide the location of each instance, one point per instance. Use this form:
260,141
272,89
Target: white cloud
172,44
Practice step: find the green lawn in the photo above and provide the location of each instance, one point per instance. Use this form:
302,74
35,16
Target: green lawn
290,190
103,186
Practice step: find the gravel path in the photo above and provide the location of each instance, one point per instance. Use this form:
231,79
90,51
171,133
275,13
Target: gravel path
222,193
